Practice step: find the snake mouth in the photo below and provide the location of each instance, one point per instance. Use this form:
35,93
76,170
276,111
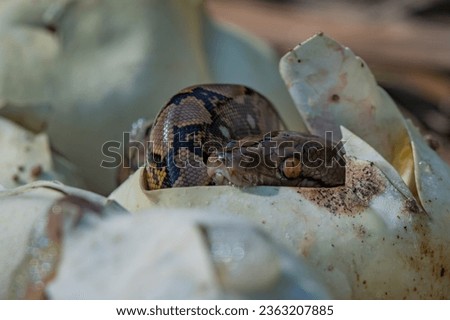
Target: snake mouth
221,177
218,171
223,174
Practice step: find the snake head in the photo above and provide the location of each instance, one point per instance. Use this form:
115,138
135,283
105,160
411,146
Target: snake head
279,158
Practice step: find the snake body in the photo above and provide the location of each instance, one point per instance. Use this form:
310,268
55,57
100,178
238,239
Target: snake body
198,121
279,158
231,134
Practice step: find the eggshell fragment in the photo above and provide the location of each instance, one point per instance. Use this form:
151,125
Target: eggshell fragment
26,157
179,254
332,87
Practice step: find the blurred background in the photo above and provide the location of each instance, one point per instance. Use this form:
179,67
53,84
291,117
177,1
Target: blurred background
81,72
406,43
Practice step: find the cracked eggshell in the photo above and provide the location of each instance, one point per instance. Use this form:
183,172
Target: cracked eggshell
64,243
17,217
205,257
432,178
26,157
21,208
352,145
332,87
367,239
371,237
108,64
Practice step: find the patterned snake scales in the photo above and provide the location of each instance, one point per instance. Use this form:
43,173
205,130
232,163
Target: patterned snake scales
219,134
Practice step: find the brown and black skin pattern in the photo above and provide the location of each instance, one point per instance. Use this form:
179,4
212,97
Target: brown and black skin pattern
197,122
259,161
201,135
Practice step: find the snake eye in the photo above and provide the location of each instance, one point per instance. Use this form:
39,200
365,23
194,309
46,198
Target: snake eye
291,167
